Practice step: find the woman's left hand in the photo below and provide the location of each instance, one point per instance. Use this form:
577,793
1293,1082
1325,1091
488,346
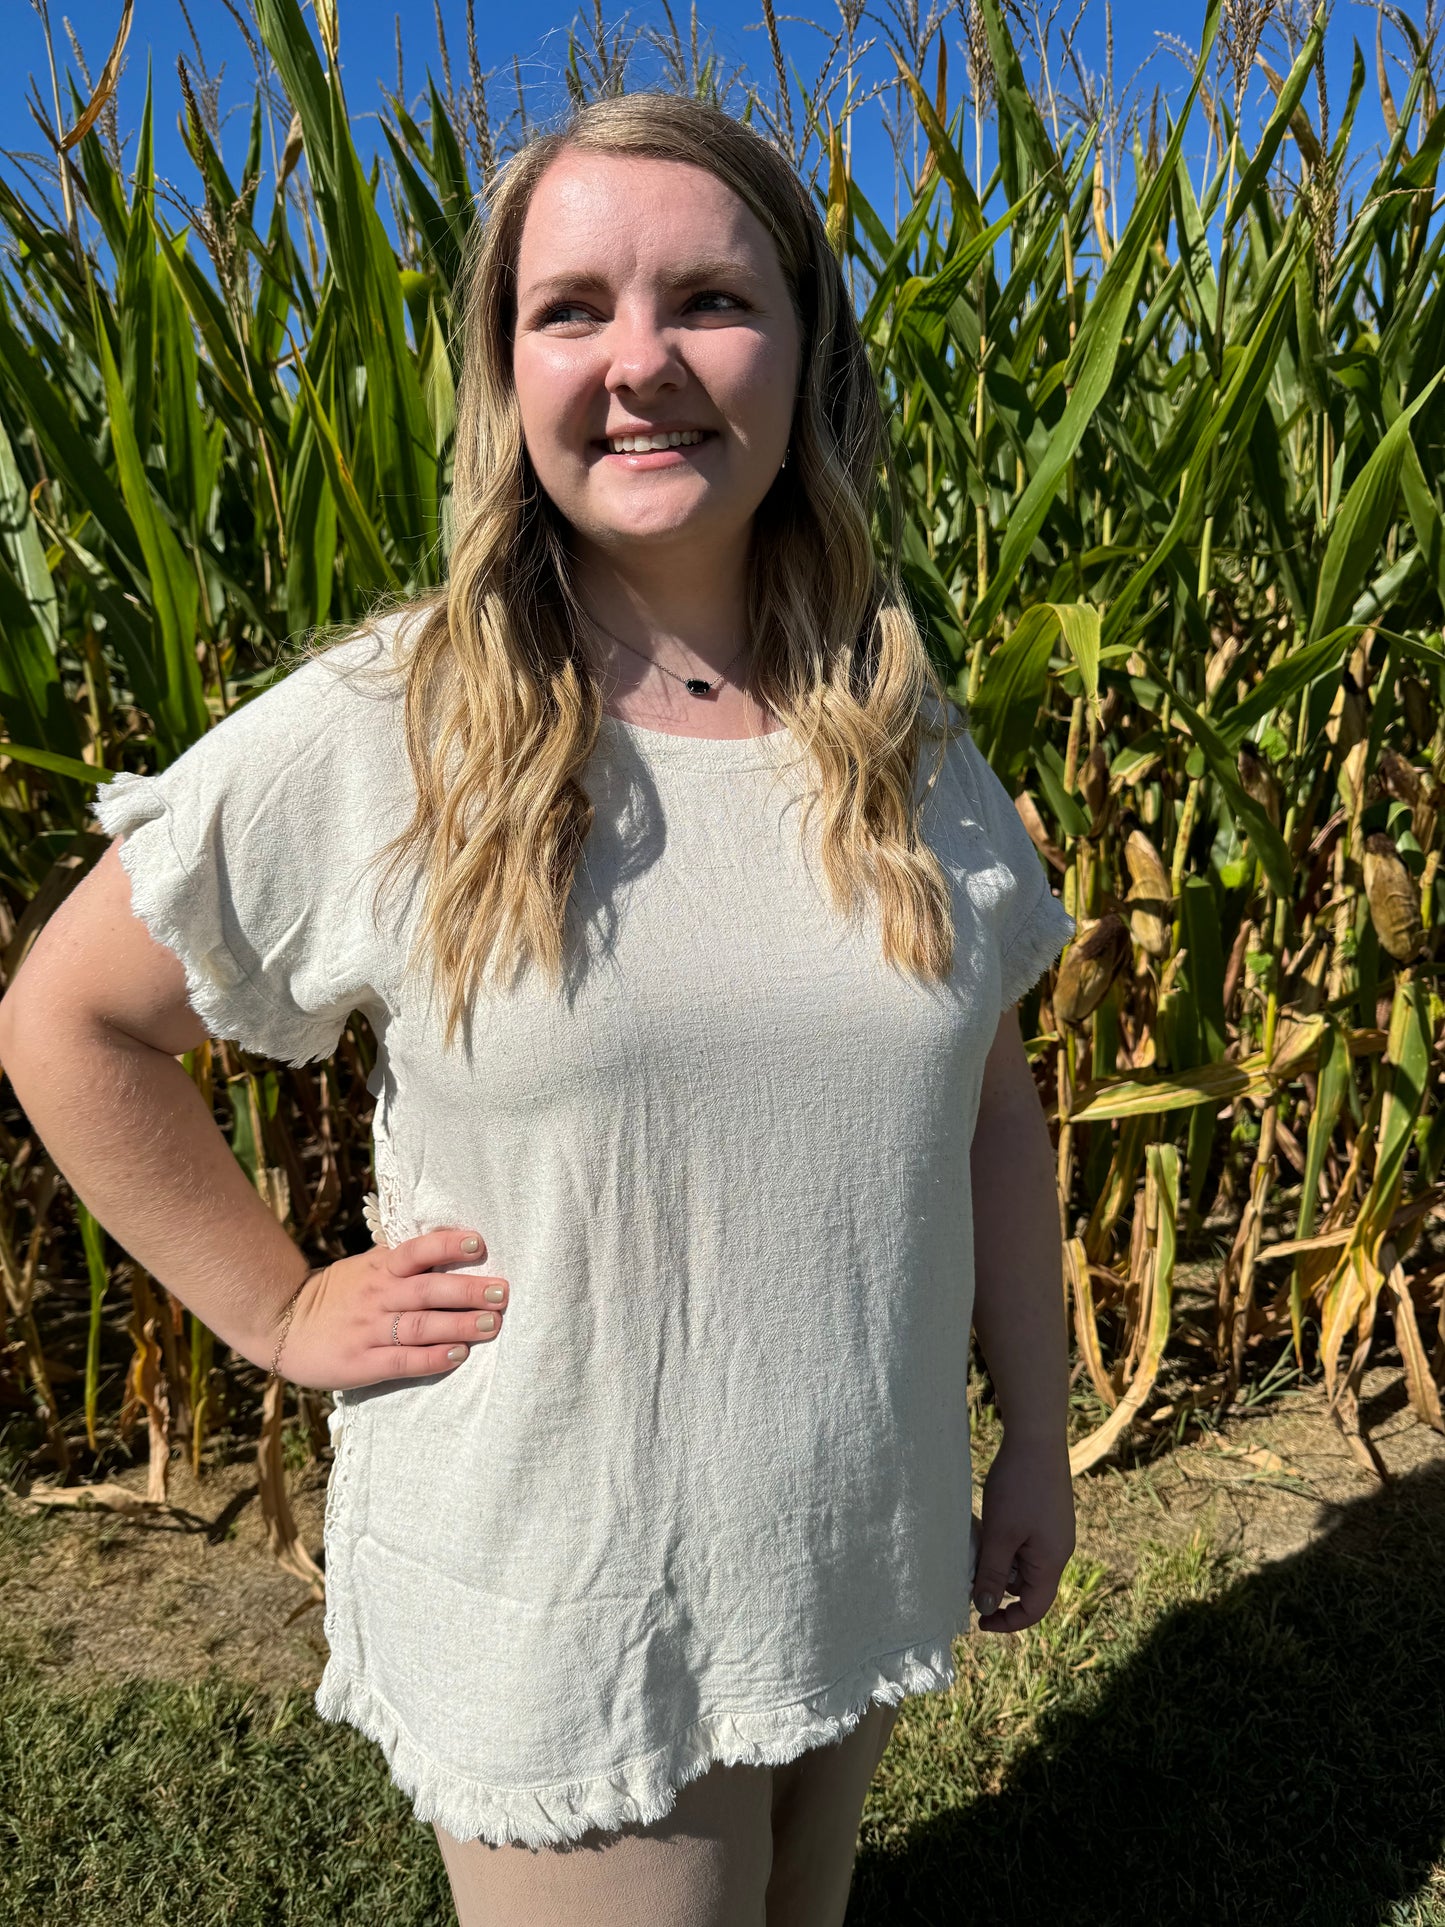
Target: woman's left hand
1027,1532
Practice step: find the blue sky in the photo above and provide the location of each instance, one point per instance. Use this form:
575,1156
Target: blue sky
536,38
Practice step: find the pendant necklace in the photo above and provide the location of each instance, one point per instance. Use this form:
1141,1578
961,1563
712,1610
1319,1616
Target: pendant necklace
697,685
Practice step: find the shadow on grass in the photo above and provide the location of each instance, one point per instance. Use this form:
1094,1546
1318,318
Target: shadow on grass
1275,1754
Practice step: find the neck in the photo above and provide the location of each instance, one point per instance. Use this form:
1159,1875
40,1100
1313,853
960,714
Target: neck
692,619
692,623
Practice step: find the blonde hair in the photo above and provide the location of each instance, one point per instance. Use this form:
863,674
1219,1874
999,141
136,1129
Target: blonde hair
501,708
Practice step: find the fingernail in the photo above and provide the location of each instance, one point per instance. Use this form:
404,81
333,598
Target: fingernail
986,1602
471,1244
457,1351
486,1321
494,1294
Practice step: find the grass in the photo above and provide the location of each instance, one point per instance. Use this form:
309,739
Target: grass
1204,1744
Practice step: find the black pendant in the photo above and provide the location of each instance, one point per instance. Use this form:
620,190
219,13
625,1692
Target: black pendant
698,686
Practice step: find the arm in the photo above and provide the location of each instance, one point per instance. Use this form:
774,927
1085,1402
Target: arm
1018,1314
1018,1249
90,1030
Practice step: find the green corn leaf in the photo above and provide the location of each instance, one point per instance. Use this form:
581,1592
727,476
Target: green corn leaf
1024,147
1003,713
1268,844
1358,528
1299,670
1200,936
173,586
1219,449
1092,361
67,453
32,697
136,297
364,552
58,765
1142,1097
22,547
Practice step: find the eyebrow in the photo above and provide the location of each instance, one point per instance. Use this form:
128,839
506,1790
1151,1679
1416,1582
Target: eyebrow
710,268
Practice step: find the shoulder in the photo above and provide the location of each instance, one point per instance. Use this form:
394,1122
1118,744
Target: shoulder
949,757
319,742
346,674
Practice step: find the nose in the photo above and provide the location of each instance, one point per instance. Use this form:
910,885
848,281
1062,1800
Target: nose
642,356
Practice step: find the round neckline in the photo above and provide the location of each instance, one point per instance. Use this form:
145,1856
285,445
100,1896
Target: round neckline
698,752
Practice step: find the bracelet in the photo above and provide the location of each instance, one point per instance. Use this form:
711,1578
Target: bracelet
290,1307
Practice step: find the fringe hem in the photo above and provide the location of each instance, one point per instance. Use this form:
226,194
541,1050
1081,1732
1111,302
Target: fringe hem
1047,929
640,1791
174,908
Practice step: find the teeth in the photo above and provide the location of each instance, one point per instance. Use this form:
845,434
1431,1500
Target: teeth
632,444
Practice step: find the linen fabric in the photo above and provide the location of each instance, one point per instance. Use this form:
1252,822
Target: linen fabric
707,1496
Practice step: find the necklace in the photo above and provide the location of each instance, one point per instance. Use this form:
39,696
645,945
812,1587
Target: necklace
698,685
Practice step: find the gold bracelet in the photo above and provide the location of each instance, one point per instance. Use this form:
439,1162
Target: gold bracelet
286,1315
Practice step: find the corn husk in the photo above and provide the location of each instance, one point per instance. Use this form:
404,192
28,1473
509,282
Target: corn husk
1094,786
1419,709
1221,662
1394,899
1088,966
1349,717
1398,776
1350,778
1151,903
1259,780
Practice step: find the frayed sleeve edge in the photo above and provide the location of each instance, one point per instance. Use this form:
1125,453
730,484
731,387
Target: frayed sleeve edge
1037,942
167,899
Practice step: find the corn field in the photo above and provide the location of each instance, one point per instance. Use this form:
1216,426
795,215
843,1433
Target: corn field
1170,512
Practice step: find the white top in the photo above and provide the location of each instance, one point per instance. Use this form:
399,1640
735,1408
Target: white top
708,1494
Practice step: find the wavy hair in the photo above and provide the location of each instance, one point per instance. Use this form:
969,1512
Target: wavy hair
501,708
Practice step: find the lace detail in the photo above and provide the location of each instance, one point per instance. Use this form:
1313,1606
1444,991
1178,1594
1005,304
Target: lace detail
390,1223
371,1211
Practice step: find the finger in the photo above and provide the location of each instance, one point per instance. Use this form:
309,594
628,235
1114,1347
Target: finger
1016,1615
420,1361
449,1291
993,1579
432,1250
442,1327
1036,1593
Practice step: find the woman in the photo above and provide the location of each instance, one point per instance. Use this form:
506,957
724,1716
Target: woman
652,1489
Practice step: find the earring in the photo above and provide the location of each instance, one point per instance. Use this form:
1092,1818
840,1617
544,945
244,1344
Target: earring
786,453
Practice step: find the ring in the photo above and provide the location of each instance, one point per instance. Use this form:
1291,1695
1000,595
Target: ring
394,1323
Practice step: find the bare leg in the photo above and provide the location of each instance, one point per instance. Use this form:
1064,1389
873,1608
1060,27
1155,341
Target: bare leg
704,1864
817,1804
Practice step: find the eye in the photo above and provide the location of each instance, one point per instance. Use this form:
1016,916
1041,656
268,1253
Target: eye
568,307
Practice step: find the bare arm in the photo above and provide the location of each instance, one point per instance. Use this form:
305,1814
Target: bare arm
1018,1308
1018,1313
90,1031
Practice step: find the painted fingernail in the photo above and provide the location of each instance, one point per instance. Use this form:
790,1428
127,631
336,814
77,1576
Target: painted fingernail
986,1602
471,1244
487,1321
457,1351
494,1294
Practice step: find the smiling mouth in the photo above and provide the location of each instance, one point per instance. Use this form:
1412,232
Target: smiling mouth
643,448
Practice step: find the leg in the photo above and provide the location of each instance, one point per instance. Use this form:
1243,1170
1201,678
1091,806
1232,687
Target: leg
704,1864
817,1804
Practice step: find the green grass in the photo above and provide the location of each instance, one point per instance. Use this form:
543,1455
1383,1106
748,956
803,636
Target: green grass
1202,1746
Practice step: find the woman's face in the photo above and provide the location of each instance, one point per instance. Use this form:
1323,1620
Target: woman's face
649,297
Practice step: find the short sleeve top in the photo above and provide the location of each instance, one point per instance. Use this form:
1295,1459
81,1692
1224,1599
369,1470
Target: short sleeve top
708,1494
